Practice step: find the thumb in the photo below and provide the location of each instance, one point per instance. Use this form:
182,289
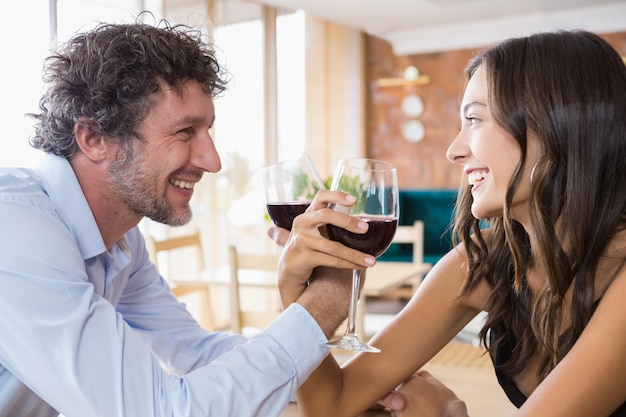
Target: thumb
393,401
426,375
278,235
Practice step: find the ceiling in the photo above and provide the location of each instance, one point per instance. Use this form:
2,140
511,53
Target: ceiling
419,26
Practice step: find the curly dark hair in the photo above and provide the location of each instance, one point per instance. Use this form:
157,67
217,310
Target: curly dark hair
567,89
106,76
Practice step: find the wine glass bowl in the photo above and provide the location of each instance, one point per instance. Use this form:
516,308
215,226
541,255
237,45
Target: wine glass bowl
375,185
373,242
290,187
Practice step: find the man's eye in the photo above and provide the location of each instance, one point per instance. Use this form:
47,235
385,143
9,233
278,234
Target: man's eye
185,133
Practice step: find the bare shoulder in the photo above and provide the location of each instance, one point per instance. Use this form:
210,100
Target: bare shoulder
452,269
611,278
612,264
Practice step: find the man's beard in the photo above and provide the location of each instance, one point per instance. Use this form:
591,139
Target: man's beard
136,186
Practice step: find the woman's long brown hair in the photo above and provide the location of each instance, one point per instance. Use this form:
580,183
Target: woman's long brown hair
569,90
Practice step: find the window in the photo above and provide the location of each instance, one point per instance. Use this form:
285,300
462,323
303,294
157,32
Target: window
23,49
228,206
242,118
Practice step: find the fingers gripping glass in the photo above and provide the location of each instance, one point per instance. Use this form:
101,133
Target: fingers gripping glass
375,185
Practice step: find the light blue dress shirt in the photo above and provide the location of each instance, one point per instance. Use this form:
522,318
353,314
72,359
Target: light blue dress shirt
86,332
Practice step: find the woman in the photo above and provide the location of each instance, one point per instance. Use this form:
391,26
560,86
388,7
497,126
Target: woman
540,219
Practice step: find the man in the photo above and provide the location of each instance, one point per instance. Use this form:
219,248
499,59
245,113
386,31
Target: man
88,326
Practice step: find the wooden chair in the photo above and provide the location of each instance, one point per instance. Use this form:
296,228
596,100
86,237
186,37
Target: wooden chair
261,282
182,286
413,235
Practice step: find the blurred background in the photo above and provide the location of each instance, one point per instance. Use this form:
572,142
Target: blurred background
332,78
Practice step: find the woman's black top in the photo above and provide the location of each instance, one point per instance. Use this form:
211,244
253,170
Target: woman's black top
511,390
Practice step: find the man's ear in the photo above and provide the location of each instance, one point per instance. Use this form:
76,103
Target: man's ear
92,144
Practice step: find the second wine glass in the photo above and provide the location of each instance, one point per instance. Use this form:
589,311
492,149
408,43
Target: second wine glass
290,187
375,185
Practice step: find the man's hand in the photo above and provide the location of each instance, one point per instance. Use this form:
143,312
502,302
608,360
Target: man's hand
423,396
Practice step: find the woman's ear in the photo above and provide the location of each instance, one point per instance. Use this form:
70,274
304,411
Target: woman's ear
92,144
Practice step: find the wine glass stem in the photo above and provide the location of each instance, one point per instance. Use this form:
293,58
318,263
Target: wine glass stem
356,287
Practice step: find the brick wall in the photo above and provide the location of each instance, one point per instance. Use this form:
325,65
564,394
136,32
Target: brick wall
422,164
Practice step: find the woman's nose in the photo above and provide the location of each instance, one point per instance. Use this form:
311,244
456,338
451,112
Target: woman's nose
458,150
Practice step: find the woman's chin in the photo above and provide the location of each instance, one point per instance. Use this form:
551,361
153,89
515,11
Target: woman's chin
481,212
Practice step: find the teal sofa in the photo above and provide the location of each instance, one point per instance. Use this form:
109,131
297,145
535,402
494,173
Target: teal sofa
435,207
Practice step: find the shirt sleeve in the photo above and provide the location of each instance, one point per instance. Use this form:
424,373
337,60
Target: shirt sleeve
75,351
162,321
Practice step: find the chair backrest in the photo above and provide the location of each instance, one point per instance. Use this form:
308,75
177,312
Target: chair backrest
413,235
408,235
183,285
175,243
239,316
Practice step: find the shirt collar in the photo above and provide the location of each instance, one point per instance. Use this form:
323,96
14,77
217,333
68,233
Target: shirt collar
61,184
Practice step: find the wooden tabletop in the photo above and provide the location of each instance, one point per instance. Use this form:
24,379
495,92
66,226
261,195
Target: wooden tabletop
469,373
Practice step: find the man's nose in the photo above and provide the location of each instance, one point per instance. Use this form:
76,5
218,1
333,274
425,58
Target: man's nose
205,155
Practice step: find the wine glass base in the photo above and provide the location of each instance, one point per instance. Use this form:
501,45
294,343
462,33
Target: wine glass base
352,343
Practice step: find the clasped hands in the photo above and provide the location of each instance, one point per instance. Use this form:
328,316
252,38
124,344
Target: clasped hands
422,395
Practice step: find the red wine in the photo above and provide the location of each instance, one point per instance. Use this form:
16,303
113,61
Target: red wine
282,214
374,242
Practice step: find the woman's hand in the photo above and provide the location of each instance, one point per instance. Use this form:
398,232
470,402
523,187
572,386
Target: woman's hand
424,396
307,247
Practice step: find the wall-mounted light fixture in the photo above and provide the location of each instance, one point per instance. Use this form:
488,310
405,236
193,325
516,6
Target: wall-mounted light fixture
412,105
410,76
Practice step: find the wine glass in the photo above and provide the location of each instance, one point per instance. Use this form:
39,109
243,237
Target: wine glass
290,187
375,185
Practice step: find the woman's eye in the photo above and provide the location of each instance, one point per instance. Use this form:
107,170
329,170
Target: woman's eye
471,120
